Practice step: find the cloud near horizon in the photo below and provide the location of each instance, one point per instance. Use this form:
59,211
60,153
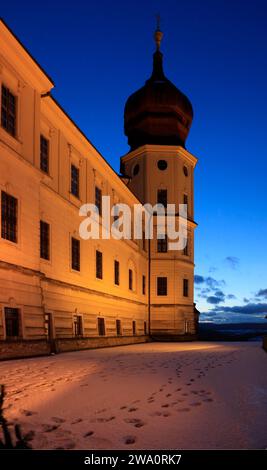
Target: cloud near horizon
209,289
212,299
217,298
211,282
199,279
224,314
262,293
232,261
249,309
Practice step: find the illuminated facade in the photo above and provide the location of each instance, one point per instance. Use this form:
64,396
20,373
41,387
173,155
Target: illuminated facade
57,291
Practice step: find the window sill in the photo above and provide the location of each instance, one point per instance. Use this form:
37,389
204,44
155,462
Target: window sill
75,199
74,271
48,262
15,245
45,175
14,143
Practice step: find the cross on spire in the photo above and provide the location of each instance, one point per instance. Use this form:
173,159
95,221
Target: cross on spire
158,33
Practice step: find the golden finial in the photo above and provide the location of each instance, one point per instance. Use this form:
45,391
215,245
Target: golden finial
158,33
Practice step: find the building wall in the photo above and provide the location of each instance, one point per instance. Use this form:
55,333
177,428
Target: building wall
171,314
50,291
150,178
27,282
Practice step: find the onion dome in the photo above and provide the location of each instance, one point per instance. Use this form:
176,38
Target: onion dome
158,113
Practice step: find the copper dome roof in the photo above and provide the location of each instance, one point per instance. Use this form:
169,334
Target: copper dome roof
158,113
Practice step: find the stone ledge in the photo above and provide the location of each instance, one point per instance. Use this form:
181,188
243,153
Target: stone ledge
32,348
168,338
24,348
74,344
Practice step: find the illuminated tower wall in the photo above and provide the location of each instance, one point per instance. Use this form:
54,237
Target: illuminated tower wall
157,120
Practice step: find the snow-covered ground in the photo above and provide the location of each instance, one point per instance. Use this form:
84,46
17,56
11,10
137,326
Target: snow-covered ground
146,396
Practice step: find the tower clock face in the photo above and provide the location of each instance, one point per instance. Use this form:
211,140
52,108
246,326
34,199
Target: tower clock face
185,169
162,165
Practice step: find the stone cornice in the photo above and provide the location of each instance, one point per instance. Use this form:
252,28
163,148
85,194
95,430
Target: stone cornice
25,62
175,150
65,285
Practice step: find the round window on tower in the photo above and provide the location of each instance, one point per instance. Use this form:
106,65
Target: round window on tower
162,165
136,169
185,170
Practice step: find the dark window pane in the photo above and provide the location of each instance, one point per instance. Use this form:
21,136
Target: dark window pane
75,181
130,279
162,245
98,199
161,286
185,170
136,169
8,111
99,265
48,325
185,199
9,217
186,252
145,328
116,216
75,254
162,165
185,287
44,154
118,327
44,240
162,197
117,272
144,284
144,241
134,327
101,326
77,323
12,322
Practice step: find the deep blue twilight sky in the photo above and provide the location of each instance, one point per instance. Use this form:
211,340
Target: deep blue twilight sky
99,51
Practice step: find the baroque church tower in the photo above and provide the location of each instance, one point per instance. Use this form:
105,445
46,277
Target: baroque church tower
157,120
